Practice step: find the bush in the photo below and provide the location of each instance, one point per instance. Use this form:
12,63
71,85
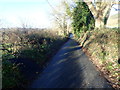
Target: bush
82,18
10,75
32,45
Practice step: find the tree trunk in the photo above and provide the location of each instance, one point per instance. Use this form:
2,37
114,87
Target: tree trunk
100,11
99,23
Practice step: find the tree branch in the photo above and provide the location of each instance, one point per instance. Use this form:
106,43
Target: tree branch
109,5
91,7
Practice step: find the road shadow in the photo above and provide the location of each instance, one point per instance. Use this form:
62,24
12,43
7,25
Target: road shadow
55,74
68,69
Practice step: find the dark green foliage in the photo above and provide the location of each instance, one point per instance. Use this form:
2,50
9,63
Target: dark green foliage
82,18
10,74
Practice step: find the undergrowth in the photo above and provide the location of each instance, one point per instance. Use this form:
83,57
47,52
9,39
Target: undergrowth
101,45
36,45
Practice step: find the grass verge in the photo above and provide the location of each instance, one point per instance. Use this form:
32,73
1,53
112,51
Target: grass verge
102,47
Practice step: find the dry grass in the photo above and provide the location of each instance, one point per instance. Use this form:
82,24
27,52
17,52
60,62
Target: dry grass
102,47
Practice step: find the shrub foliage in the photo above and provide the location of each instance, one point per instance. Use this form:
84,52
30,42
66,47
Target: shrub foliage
36,46
82,18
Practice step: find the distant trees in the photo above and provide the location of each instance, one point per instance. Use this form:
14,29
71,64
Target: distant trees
25,23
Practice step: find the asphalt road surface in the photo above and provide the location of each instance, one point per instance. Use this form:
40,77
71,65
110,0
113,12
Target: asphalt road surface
70,68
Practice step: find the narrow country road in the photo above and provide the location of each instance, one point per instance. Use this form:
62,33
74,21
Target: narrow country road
70,68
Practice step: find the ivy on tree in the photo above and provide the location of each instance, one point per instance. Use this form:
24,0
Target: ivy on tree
83,19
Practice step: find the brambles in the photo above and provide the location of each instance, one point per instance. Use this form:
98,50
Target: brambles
10,74
24,50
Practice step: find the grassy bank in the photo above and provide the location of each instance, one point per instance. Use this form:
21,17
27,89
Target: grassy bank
102,47
25,53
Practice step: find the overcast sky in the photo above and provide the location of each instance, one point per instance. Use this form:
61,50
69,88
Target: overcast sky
35,13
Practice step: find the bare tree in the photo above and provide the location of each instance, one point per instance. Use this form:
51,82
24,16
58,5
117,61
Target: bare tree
60,17
25,23
100,10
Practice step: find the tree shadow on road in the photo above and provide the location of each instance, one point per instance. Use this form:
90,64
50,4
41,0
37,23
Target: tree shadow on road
66,70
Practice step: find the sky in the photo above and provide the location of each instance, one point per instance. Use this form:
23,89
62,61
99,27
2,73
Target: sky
34,13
